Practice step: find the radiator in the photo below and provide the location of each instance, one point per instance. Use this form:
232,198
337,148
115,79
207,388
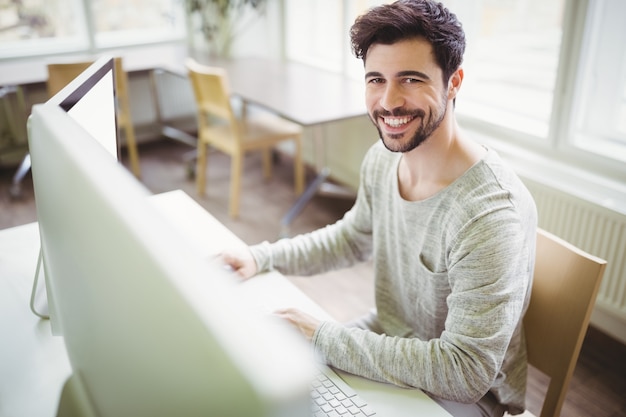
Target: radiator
599,231
174,95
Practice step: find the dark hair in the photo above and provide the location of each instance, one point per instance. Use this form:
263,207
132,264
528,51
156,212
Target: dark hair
408,19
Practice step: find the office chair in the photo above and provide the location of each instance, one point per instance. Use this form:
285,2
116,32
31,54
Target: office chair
566,281
220,128
59,75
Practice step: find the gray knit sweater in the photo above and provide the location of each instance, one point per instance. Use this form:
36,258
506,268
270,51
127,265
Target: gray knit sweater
452,275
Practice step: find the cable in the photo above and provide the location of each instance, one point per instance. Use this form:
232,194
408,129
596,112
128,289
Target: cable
35,292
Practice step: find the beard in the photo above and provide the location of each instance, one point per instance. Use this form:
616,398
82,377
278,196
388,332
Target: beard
429,123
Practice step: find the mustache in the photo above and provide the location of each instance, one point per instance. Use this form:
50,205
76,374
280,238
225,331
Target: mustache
399,113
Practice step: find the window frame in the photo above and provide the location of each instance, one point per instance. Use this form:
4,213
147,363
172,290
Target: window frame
88,41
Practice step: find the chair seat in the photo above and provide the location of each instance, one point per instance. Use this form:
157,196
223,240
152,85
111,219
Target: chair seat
257,132
255,128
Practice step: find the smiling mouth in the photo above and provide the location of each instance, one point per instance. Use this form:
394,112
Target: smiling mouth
396,122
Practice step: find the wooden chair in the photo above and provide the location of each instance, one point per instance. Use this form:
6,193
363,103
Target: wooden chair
566,281
60,74
220,128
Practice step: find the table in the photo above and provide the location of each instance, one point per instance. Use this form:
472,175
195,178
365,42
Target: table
34,365
33,70
301,93
308,96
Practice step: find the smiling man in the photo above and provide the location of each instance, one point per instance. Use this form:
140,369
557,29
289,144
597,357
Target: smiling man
450,228
407,104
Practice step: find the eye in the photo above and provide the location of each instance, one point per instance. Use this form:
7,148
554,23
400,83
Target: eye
412,81
375,80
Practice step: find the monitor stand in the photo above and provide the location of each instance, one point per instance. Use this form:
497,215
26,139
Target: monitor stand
39,296
74,400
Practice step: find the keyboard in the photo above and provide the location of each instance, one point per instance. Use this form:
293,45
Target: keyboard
332,397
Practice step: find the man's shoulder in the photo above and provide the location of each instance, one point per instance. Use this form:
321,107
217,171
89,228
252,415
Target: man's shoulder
494,185
493,170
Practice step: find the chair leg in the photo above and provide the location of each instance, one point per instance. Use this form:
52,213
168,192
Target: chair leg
133,153
298,168
201,165
267,163
16,184
236,169
124,114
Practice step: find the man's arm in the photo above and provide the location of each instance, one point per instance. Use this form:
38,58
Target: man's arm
489,288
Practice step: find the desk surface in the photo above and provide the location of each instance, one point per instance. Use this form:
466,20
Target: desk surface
34,364
301,93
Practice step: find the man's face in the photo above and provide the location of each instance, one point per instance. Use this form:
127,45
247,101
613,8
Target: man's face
405,95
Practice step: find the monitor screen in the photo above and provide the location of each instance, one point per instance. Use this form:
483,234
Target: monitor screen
151,328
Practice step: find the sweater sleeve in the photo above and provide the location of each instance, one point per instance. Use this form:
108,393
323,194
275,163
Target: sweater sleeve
339,245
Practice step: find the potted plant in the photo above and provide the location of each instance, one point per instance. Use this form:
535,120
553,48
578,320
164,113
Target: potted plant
219,22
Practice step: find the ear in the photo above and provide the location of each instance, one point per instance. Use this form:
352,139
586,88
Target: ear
454,84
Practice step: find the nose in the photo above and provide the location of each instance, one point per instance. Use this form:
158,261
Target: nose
391,97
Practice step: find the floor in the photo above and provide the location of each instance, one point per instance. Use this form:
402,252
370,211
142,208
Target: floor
598,388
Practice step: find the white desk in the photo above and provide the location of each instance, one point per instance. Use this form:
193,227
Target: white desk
34,364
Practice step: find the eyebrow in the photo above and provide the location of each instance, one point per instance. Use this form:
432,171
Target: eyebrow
408,73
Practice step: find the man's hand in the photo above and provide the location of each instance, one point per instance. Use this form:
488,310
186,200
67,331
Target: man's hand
241,261
305,323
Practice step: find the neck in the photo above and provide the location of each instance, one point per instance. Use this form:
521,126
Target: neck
437,162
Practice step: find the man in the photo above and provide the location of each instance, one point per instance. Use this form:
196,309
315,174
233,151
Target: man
450,228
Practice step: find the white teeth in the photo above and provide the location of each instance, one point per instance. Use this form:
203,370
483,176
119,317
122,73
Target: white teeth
396,122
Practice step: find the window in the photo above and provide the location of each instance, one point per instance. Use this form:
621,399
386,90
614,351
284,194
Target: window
511,61
545,76
600,116
42,27
144,21
317,33
310,42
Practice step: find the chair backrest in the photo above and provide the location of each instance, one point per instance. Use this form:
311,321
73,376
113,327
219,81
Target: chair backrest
566,282
210,87
60,74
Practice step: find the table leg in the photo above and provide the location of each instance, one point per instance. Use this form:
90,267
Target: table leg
320,185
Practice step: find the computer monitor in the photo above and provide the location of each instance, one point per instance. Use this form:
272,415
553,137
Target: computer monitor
90,101
151,328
